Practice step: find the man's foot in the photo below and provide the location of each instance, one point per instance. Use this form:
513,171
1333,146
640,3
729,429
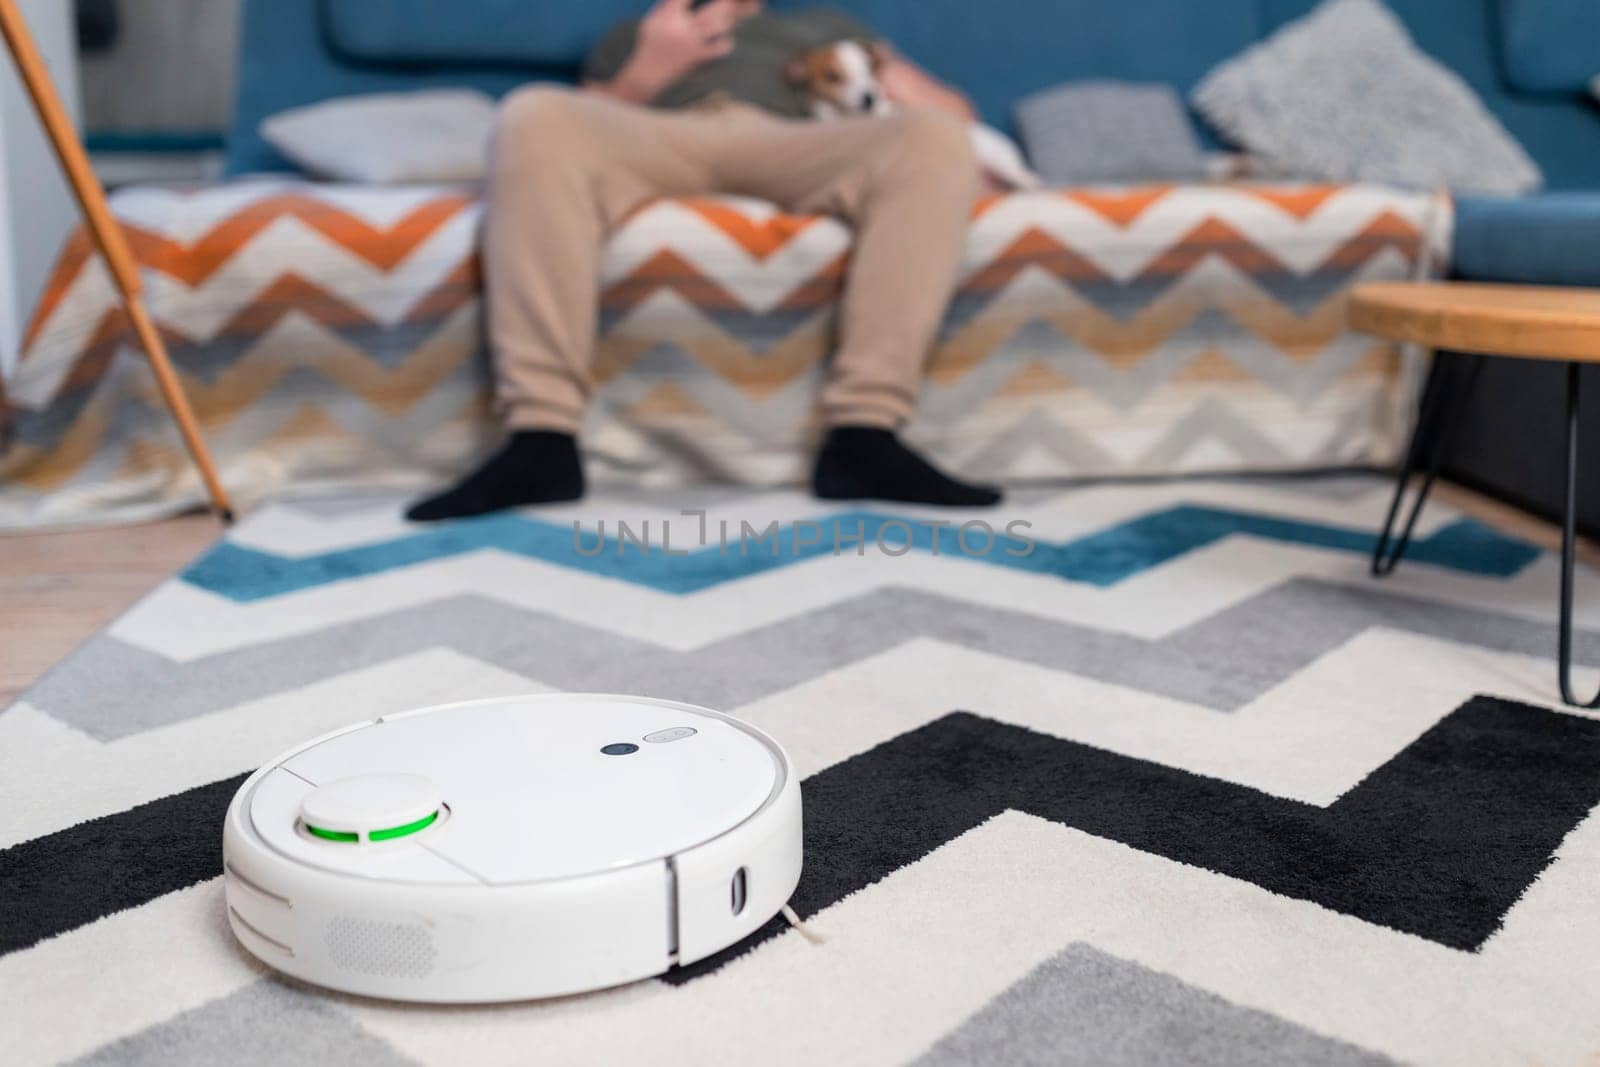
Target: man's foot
534,467
861,462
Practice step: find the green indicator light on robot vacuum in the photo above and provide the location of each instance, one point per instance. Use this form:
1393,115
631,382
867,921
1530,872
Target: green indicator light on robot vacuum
331,835
377,835
401,831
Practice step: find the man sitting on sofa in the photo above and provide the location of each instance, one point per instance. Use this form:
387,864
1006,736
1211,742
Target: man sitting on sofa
569,166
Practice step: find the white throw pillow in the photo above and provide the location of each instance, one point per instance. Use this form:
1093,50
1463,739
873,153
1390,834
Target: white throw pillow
1343,94
388,138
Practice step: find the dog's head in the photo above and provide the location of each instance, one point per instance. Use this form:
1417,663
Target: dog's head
840,79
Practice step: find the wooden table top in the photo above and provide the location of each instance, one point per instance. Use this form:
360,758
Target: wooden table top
1529,321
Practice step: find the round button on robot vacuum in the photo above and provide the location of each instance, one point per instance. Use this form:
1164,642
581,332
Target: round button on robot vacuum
494,850
371,807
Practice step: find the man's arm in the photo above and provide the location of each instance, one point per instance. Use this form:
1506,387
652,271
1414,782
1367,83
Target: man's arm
673,38
910,86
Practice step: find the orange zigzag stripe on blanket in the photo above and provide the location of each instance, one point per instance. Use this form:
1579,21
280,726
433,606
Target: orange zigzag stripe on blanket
460,286
1301,202
759,237
73,256
1033,248
1124,207
384,249
1121,207
823,287
1211,237
292,294
193,263
762,237
668,270
1387,230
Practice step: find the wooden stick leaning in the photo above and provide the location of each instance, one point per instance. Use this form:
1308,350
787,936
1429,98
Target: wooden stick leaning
110,240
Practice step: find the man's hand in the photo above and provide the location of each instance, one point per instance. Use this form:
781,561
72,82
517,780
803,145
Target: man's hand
674,38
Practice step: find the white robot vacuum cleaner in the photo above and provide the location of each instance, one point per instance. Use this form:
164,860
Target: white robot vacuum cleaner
512,848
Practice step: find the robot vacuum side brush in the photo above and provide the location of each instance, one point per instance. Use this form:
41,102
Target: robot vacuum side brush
512,848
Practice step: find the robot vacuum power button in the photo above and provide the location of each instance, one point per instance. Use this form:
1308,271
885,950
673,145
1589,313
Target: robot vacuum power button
370,807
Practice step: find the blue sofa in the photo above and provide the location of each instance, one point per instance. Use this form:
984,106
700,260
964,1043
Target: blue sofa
1528,59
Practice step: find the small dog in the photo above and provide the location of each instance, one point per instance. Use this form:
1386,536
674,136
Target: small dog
841,79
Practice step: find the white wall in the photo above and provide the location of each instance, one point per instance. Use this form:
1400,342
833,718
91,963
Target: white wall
36,208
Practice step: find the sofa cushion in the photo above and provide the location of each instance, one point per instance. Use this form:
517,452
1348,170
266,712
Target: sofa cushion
1550,45
431,135
1541,240
1104,131
1560,130
1343,94
495,33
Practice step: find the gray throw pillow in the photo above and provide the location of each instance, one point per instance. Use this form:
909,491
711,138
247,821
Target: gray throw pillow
388,138
1343,94
1096,131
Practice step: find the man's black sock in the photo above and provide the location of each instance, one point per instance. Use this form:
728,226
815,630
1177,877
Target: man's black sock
534,467
870,463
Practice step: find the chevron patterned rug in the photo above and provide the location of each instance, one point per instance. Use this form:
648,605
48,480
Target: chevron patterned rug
1136,774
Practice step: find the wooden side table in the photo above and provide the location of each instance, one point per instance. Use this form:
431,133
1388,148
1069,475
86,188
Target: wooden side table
1521,321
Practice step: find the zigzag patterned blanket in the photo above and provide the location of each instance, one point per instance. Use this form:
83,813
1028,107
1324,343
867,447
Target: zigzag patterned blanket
331,335
1189,787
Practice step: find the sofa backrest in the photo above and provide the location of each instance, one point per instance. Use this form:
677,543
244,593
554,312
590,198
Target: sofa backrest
299,51
1000,50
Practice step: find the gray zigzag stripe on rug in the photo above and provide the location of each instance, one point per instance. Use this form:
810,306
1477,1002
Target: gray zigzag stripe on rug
1221,662
270,1022
1083,1006
1087,1007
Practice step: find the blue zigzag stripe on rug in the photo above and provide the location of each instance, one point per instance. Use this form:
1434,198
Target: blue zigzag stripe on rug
1103,558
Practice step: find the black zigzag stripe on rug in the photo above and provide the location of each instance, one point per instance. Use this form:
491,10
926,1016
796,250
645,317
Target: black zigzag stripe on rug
68,879
1438,842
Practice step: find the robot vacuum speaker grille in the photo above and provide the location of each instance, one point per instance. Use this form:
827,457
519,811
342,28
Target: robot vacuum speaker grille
387,949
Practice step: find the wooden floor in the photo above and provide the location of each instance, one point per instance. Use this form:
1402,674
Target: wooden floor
57,589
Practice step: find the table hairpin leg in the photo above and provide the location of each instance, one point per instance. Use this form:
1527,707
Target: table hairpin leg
1435,431
1569,537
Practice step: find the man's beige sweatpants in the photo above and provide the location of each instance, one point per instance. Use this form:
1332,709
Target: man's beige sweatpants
569,166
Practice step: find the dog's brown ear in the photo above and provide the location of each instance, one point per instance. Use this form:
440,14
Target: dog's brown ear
880,53
797,72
